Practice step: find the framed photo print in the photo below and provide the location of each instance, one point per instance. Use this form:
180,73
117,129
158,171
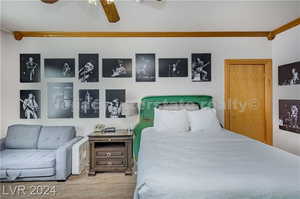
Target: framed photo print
60,100
289,74
114,68
289,115
145,67
114,100
201,67
59,68
89,103
30,68
30,104
88,68
177,67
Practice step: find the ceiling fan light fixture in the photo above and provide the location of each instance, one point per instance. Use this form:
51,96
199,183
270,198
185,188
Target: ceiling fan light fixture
49,1
110,1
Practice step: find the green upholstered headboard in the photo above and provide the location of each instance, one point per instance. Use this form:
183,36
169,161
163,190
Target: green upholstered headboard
147,111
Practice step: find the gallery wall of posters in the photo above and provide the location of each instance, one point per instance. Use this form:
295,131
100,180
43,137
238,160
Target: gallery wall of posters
60,94
114,68
289,115
89,103
114,99
30,104
88,68
145,67
60,100
289,74
59,68
30,68
201,67
175,67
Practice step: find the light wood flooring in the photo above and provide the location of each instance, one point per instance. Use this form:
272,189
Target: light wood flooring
101,186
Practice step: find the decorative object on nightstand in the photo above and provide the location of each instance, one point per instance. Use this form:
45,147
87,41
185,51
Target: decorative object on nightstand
130,109
111,152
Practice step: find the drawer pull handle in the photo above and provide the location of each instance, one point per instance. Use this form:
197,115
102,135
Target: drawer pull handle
109,163
108,154
109,139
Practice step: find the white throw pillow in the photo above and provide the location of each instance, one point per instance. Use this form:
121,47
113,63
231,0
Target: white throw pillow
204,119
165,120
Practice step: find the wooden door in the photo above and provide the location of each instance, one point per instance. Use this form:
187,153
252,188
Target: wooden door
248,98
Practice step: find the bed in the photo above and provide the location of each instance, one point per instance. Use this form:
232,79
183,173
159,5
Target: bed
208,165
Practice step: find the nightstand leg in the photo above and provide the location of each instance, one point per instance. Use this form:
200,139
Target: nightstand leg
92,173
128,172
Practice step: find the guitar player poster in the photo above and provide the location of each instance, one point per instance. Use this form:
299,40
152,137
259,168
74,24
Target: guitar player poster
114,68
201,67
30,104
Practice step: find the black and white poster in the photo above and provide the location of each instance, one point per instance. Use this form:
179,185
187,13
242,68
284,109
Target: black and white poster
145,67
59,68
114,100
201,67
115,68
89,67
173,67
30,68
289,115
289,74
60,100
30,104
89,103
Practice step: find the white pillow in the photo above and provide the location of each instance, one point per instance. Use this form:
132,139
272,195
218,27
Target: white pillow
204,119
165,120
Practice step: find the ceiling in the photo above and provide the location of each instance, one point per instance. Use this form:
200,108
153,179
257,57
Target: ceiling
169,15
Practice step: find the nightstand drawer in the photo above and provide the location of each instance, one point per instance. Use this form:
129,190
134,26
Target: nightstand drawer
110,162
110,154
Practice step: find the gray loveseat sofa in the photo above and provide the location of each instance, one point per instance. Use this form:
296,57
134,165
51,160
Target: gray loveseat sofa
37,153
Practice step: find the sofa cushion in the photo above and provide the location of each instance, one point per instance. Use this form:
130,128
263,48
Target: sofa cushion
13,174
22,136
16,159
52,137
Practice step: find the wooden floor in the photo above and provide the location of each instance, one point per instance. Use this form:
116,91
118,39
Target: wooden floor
101,186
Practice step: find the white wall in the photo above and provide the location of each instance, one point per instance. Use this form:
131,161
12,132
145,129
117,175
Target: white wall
221,48
1,67
285,49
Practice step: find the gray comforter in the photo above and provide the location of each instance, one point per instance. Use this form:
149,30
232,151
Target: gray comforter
213,165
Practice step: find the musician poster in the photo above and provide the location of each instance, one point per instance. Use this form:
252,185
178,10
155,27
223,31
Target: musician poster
145,67
89,103
173,67
289,115
114,100
59,68
201,67
60,100
114,68
88,67
289,74
30,104
30,65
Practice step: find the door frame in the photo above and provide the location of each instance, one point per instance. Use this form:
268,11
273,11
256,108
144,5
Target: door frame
268,92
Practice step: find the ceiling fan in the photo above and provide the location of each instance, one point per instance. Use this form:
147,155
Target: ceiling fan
109,8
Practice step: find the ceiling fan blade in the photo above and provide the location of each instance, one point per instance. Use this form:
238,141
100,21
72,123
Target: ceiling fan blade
49,1
110,10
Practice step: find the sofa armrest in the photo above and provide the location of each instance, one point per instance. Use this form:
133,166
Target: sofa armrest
2,144
64,159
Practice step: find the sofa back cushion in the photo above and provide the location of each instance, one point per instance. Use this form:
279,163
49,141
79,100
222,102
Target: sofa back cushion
52,137
22,136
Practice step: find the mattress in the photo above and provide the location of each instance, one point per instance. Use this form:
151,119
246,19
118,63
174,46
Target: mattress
213,165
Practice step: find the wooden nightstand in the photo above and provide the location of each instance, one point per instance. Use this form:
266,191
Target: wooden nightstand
111,152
